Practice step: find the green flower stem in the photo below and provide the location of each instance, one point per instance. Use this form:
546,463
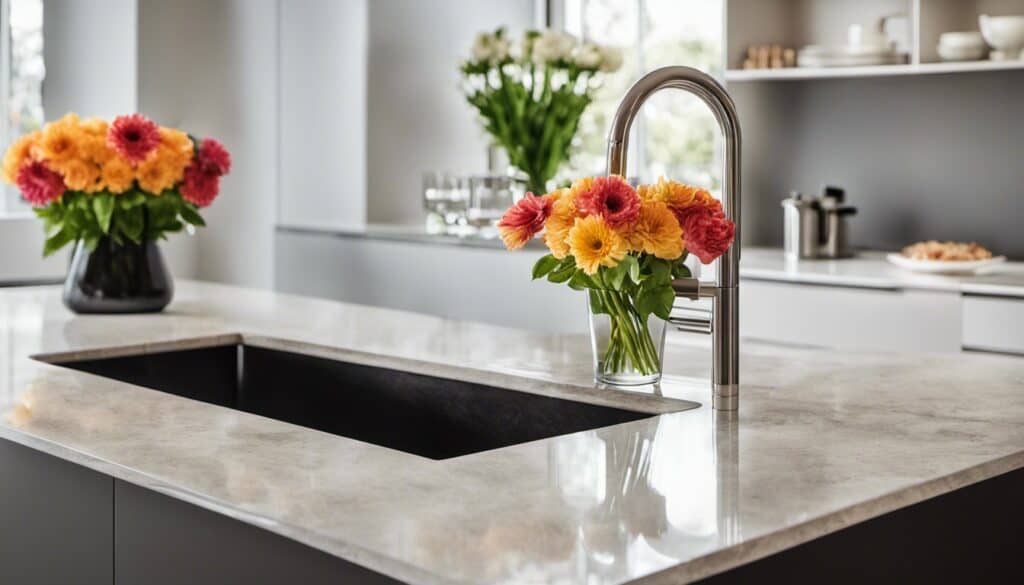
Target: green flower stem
629,340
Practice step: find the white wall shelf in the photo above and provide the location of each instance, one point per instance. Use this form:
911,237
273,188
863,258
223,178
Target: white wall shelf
798,73
797,23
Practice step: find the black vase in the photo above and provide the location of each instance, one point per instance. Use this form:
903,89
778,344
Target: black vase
117,278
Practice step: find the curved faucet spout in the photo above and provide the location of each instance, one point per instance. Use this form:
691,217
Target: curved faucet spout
725,294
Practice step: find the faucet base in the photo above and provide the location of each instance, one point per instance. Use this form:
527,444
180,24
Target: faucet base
725,397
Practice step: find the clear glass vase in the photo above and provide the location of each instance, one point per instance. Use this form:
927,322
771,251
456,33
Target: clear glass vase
627,349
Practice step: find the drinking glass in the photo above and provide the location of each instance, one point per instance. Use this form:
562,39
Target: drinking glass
445,195
489,197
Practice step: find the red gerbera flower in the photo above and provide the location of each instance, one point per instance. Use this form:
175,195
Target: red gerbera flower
213,157
199,187
133,137
523,220
612,198
38,184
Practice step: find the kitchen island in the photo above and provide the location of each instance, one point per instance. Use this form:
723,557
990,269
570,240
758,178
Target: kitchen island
824,442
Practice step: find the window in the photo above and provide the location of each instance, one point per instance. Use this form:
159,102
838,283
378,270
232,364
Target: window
21,80
675,134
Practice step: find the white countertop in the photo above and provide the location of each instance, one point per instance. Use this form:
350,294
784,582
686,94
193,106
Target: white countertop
824,439
871,270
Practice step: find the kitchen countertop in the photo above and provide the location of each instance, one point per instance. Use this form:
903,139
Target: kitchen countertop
872,270
823,440
869,269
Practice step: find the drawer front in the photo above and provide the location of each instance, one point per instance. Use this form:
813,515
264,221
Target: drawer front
994,324
850,318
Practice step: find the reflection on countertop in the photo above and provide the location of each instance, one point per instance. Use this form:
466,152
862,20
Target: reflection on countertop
824,440
416,234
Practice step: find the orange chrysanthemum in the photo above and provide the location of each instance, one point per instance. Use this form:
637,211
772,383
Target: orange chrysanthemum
556,230
656,231
175,146
18,154
117,175
594,244
156,175
81,175
59,143
94,141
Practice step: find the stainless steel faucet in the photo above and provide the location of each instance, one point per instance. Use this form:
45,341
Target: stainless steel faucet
724,321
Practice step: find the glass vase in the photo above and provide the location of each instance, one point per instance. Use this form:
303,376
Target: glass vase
117,278
627,348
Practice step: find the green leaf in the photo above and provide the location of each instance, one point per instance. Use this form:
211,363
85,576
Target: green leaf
580,280
103,207
657,300
597,303
661,272
560,274
191,215
544,265
130,199
613,276
634,268
131,223
57,241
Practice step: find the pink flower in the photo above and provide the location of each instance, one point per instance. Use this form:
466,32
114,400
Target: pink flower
38,184
707,231
523,220
612,198
199,187
133,137
214,158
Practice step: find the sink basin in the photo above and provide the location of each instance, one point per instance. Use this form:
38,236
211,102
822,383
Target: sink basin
424,415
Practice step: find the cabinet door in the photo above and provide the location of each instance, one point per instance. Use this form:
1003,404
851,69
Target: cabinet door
160,540
850,318
55,520
994,324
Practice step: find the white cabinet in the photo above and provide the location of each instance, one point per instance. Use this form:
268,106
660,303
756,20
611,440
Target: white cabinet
850,317
993,324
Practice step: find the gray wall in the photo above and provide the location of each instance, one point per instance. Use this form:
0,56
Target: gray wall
417,117
210,67
922,157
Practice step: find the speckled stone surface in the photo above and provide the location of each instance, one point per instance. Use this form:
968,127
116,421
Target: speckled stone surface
823,440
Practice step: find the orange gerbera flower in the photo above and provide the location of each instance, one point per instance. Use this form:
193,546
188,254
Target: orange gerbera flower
117,175
60,141
81,175
556,230
18,154
656,231
156,175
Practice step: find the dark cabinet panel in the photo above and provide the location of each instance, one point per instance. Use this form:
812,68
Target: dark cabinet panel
55,520
160,540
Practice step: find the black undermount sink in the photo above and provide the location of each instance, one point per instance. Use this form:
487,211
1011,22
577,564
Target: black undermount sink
424,415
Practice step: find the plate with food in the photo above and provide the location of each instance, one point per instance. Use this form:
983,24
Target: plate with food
945,257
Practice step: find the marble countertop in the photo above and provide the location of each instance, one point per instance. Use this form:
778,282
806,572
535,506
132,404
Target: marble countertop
871,270
823,440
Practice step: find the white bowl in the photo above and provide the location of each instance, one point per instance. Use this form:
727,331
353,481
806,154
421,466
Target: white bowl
962,40
947,53
1003,33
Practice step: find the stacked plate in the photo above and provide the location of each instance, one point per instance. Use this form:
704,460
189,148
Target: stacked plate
848,56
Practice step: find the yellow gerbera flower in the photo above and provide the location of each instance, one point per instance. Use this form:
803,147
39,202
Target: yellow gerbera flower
117,175
556,229
579,187
594,244
656,231
155,175
18,154
81,175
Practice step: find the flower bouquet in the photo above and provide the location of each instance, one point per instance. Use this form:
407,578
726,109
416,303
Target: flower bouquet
624,246
114,189
531,96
